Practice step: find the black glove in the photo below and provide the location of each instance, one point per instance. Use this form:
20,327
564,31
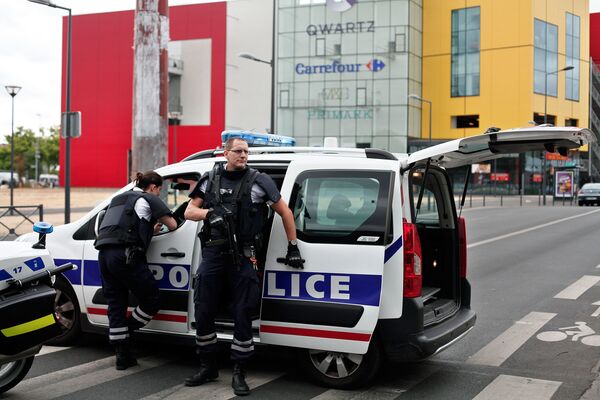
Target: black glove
293,258
215,217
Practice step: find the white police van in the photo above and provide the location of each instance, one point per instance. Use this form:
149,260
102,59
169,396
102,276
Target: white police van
385,272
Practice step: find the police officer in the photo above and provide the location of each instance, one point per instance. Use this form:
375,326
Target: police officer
232,201
123,237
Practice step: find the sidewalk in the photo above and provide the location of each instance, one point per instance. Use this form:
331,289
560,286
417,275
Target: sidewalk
53,200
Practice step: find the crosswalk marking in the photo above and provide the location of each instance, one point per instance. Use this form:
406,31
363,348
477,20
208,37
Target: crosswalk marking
374,393
47,388
508,387
502,347
579,287
218,390
51,349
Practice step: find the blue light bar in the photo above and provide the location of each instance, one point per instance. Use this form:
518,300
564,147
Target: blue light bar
255,139
42,227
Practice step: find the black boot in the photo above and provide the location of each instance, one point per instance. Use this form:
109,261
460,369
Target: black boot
208,372
238,381
125,358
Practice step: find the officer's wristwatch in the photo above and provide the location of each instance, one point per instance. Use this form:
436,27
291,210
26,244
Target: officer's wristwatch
293,242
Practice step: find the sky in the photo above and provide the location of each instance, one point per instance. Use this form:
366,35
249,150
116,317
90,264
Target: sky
30,56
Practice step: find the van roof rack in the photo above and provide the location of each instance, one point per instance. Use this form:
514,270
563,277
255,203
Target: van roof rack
369,153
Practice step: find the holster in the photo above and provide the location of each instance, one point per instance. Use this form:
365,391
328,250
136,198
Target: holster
134,253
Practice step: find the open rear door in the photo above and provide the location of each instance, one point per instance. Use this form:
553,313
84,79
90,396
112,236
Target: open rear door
479,148
342,211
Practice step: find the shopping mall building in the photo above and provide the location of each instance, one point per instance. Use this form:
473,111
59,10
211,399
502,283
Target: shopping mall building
393,74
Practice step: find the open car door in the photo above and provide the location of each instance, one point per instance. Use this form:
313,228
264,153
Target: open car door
496,144
342,211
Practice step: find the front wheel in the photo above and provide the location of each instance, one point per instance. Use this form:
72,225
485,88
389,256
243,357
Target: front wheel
67,312
13,372
342,370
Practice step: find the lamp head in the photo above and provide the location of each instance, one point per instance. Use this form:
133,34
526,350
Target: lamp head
568,68
247,55
414,96
12,90
43,2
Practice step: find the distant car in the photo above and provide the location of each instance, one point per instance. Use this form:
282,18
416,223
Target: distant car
5,178
589,194
48,180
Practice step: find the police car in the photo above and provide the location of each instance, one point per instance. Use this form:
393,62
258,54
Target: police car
386,253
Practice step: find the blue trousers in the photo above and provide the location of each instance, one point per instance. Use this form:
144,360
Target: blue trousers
216,271
118,279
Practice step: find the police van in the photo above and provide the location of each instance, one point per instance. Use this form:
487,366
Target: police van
385,273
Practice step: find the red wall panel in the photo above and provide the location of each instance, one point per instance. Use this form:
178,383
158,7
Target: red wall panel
595,37
102,88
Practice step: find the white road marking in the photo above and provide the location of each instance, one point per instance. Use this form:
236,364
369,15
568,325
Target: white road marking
499,349
70,380
508,387
217,390
598,266
597,312
373,393
51,349
533,228
578,287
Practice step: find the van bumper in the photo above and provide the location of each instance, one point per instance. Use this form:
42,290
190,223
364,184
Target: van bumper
404,339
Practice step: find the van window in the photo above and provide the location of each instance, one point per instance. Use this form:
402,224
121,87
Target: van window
437,202
341,206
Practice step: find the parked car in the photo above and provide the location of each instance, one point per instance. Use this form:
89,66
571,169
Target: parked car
48,180
589,194
5,178
385,274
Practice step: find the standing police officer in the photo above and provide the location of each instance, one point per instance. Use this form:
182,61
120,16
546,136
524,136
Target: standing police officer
123,238
232,201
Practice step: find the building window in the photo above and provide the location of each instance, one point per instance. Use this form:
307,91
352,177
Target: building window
361,96
572,58
539,119
320,47
400,43
465,121
284,98
571,122
545,58
465,52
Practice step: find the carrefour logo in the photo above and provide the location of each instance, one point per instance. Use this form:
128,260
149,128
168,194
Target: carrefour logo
340,5
374,65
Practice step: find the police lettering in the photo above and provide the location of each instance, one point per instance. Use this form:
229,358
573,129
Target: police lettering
316,286
348,27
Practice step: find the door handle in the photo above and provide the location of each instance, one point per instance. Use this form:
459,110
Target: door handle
176,254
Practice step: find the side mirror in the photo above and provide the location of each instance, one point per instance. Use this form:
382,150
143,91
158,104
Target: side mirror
98,223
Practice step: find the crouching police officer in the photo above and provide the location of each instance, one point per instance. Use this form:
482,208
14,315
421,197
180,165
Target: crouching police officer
232,201
123,237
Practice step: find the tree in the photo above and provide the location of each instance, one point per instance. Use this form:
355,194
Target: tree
25,149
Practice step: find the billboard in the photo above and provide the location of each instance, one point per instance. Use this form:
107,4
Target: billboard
563,184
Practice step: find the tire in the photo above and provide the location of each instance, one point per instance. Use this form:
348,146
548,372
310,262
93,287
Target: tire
66,310
13,372
323,367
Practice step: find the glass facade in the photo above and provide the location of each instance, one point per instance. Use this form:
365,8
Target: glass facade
545,43
465,51
572,53
347,73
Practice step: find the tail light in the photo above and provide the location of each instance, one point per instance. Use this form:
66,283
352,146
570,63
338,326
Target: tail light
462,248
412,261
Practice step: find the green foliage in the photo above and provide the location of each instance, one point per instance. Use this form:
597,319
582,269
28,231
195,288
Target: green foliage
26,145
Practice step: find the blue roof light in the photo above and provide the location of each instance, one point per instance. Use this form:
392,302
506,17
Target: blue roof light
42,227
256,139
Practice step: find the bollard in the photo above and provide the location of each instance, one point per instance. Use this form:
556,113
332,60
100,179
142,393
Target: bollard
471,200
501,200
484,199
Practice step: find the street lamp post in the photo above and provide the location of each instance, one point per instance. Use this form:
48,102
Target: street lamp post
251,57
414,96
67,112
12,91
567,68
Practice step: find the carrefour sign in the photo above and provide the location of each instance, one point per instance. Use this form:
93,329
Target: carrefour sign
374,65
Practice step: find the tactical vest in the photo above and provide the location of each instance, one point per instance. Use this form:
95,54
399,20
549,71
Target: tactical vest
121,225
236,196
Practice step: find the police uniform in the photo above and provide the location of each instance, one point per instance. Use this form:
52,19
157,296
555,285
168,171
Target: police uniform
246,194
123,238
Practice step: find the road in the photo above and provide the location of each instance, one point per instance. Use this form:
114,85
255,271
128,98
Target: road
533,270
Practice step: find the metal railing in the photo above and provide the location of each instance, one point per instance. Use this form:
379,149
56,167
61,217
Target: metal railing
13,217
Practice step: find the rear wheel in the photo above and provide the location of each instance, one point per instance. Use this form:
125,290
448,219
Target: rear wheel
342,370
13,372
67,312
